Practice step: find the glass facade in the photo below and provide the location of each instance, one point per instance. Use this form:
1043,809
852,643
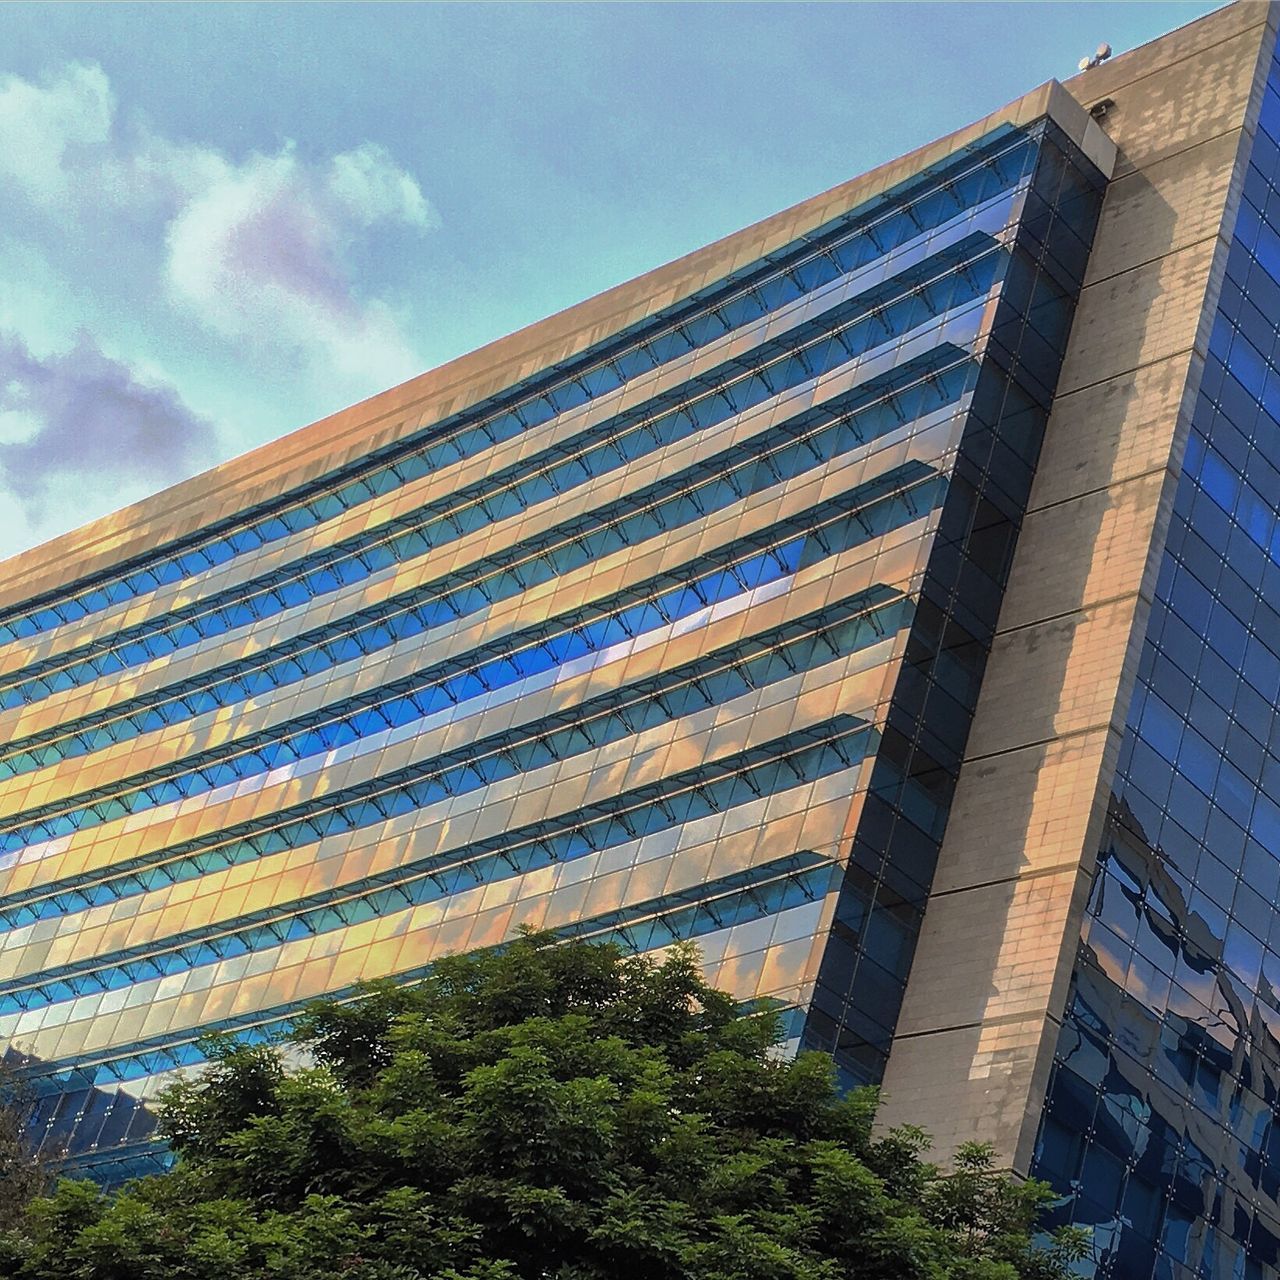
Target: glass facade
1162,1123
677,638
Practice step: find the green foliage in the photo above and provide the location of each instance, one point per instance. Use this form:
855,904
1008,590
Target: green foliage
559,1112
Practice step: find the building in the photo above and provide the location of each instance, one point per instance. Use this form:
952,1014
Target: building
886,597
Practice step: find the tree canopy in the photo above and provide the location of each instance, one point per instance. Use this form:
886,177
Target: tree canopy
559,1112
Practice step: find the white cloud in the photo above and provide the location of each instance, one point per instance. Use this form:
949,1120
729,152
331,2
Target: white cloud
256,250
375,188
259,255
84,434
46,129
16,425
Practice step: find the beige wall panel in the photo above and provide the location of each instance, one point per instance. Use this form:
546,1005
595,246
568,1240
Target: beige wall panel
1166,99
1175,203
1140,316
1111,431
1019,813
1079,553
973,1083
1053,679
996,974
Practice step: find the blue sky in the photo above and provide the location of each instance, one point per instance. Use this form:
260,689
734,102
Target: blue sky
221,222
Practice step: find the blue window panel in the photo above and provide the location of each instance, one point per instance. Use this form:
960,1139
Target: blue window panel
724,673
309,652
714,483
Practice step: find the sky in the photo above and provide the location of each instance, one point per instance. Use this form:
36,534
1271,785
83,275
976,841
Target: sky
221,222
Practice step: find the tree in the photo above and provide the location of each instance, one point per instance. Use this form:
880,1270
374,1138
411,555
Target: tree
24,1172
565,1112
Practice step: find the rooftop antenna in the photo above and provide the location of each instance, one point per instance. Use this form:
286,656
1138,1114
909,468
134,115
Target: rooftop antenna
1101,54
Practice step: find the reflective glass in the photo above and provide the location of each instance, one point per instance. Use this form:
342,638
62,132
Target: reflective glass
706,590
